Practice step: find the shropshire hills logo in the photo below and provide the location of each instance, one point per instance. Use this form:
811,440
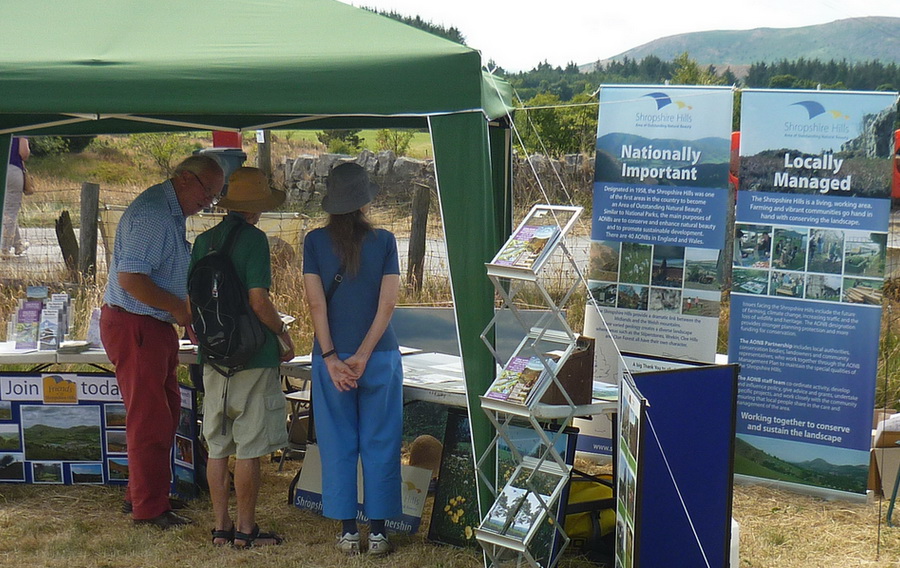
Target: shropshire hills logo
815,108
663,100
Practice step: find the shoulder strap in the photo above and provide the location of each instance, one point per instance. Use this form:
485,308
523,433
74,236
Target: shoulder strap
228,243
338,278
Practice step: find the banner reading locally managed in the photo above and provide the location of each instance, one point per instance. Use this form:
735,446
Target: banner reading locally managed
809,259
659,218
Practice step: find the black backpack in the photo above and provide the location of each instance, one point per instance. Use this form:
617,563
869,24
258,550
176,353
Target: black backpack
228,330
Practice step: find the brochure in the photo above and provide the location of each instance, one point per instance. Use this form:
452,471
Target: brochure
533,241
26,330
49,330
522,380
74,346
522,503
528,246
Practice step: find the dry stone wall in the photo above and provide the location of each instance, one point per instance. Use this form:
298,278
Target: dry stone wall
560,179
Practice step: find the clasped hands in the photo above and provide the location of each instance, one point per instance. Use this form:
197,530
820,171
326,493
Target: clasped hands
345,374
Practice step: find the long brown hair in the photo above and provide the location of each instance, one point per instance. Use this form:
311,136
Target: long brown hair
347,233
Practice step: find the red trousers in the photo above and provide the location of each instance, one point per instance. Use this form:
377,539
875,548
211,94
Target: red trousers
145,353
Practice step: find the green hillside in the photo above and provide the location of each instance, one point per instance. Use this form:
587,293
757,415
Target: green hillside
854,40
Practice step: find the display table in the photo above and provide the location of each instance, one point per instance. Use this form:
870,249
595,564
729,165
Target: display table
428,377
42,360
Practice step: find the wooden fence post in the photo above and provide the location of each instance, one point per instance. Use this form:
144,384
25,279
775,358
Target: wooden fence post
87,252
417,232
68,244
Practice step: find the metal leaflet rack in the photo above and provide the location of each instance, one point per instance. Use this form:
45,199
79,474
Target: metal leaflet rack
526,500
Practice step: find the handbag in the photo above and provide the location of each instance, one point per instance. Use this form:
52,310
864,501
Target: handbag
27,183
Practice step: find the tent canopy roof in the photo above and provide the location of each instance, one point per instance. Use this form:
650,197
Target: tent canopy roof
83,66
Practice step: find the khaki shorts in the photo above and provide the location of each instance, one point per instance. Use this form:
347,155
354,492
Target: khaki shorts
252,411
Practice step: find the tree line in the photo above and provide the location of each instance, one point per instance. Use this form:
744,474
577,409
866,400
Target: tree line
558,105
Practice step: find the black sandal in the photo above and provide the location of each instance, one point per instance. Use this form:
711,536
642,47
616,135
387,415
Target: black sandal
251,538
227,535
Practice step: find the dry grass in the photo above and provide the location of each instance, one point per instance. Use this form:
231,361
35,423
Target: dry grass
80,526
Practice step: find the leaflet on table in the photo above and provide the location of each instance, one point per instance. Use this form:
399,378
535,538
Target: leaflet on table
49,330
527,246
74,346
26,328
521,381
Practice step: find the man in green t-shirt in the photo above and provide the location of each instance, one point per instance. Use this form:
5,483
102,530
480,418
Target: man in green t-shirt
244,415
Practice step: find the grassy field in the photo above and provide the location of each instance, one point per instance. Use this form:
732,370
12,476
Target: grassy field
56,526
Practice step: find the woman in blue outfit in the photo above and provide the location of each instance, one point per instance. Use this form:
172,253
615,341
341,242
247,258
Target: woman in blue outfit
357,374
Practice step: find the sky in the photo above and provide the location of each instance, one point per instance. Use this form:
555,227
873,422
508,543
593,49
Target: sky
520,35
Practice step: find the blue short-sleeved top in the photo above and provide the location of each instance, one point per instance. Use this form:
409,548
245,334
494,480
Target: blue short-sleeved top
352,309
150,239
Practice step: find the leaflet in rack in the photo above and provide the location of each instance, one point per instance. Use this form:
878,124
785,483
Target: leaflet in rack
523,503
522,380
534,239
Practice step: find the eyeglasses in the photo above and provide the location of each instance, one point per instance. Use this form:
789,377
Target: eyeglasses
212,196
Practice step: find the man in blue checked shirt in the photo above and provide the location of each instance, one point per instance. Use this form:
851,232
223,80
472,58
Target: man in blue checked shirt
145,298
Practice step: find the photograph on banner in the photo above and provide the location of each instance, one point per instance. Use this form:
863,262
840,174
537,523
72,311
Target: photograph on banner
810,249
660,200
630,432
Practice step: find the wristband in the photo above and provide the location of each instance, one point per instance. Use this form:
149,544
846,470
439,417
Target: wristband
328,354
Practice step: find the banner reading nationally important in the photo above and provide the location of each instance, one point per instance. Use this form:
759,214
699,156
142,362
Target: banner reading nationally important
659,218
809,260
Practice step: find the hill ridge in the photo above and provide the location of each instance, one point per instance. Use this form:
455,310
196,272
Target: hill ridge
856,40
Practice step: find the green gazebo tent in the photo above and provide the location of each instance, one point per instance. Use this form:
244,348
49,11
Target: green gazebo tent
124,66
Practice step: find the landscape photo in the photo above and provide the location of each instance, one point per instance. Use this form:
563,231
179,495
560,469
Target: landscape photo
87,473
115,415
5,410
800,462
116,442
12,466
604,261
706,303
61,433
117,468
9,437
701,269
47,472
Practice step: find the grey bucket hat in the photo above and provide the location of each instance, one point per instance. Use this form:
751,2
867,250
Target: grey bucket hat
348,189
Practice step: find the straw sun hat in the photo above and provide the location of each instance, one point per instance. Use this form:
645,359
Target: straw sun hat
348,189
248,190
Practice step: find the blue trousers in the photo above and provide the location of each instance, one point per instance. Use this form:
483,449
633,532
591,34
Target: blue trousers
363,423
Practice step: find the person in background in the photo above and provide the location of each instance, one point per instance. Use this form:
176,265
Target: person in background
146,296
357,374
11,240
243,415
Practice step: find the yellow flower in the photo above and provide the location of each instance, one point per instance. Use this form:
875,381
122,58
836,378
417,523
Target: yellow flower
469,533
447,508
